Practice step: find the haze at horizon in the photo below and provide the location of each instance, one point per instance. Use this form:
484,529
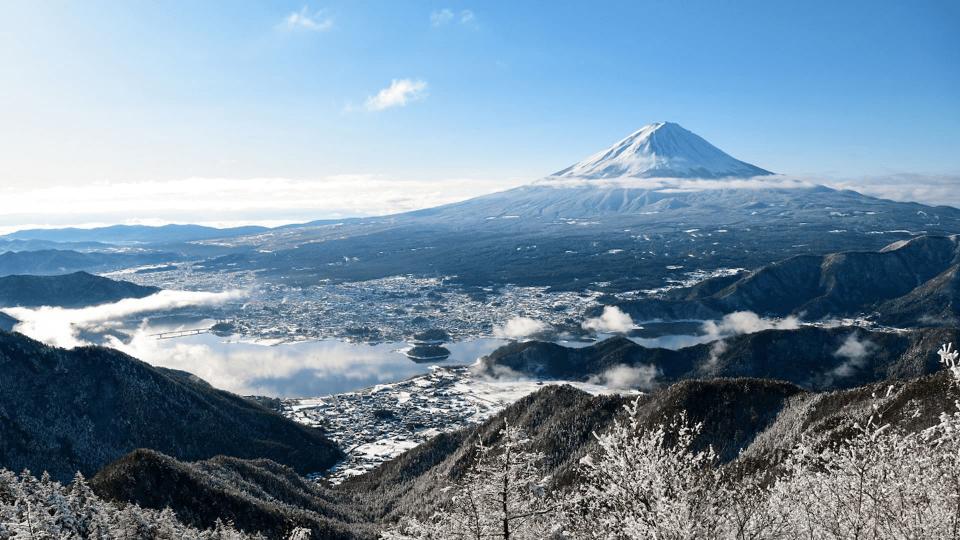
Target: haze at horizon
117,112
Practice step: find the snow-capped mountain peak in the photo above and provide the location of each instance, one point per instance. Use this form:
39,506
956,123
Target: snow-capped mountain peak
662,150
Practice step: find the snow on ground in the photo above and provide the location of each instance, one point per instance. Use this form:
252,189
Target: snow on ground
380,423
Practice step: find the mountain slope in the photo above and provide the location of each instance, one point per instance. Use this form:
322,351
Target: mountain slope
657,205
65,411
750,422
760,418
61,261
256,496
661,150
78,289
934,303
810,357
912,283
631,238
7,322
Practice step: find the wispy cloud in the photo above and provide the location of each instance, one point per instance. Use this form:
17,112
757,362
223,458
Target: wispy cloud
398,94
934,190
446,16
854,353
441,17
942,189
304,19
623,377
680,185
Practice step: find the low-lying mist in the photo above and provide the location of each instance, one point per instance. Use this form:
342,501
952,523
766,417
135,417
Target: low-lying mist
62,327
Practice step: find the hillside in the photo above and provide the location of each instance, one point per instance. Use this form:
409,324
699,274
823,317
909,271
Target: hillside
750,422
936,302
75,290
7,322
759,418
908,283
811,357
61,261
257,496
64,411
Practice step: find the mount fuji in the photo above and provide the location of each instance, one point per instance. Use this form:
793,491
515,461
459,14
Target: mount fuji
647,211
661,150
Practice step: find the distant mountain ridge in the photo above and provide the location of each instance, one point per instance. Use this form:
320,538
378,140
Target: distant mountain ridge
126,234
662,150
908,283
61,261
64,411
75,290
11,244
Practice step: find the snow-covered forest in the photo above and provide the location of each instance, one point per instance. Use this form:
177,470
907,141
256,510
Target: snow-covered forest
44,509
877,482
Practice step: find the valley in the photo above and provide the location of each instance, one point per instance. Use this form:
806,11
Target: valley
378,424
370,352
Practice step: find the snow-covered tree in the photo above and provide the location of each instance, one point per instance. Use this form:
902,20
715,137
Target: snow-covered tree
43,509
648,483
504,495
878,484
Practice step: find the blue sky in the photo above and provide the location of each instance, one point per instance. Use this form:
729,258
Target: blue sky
497,92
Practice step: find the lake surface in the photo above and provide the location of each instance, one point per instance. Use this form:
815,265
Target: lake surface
299,369
290,369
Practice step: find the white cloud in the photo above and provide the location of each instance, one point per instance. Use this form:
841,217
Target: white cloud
62,326
935,190
398,94
854,352
719,347
305,20
612,320
441,17
679,185
627,377
671,341
520,328
926,189
291,369
236,200
746,322
446,16
497,372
